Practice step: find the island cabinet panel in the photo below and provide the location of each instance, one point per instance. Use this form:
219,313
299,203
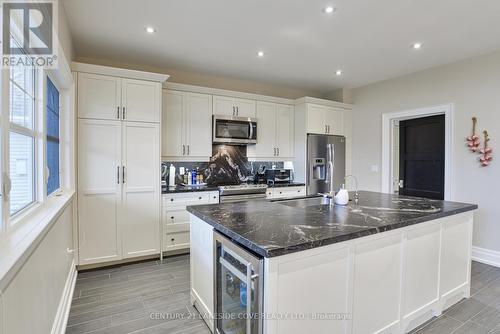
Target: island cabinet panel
455,258
421,270
377,281
202,269
323,282
390,282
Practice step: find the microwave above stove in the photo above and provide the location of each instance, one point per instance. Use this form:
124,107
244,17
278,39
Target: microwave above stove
234,130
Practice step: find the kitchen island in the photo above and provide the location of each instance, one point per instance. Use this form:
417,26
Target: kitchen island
383,265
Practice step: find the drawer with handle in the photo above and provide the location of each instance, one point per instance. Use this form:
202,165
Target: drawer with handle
183,200
175,217
177,240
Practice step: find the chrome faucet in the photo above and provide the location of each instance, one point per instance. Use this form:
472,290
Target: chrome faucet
356,193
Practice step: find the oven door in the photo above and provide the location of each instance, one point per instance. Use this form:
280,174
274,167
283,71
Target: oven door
235,130
238,289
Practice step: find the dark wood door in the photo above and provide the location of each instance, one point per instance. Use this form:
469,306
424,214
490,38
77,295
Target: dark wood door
421,157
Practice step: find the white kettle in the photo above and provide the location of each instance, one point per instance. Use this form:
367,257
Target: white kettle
342,197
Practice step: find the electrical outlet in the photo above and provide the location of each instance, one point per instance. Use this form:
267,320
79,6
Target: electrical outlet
374,168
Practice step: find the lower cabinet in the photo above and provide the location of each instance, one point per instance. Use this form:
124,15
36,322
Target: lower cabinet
175,218
285,192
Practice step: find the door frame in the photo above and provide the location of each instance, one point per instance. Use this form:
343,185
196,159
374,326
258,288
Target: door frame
388,143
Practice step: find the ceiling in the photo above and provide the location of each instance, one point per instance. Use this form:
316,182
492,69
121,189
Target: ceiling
368,40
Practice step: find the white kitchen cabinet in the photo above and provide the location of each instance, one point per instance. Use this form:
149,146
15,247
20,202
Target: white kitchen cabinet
285,130
229,106
108,97
140,213
99,190
275,137
324,120
118,165
175,218
187,125
99,96
141,100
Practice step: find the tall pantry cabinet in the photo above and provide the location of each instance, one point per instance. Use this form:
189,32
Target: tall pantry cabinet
119,178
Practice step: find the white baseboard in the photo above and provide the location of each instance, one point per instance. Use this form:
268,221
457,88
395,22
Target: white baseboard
61,319
486,256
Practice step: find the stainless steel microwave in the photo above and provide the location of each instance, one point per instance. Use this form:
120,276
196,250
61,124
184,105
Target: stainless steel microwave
234,130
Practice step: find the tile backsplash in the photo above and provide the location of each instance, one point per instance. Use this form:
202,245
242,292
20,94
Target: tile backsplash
228,165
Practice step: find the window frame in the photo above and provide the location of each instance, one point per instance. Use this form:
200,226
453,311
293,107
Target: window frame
25,131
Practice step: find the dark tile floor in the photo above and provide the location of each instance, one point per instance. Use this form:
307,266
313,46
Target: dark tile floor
153,297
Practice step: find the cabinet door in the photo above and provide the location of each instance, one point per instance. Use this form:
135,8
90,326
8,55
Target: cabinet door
99,96
266,132
285,126
198,129
99,190
140,211
141,100
223,105
316,119
245,108
172,124
334,120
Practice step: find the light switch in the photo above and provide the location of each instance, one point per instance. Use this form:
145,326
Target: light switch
375,168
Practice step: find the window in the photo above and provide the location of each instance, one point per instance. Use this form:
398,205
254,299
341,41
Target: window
22,137
52,106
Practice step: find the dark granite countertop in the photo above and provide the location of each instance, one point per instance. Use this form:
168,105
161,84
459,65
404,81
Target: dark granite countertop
281,227
182,189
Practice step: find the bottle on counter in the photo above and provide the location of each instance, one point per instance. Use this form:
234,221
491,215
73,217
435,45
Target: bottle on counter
193,177
187,177
171,176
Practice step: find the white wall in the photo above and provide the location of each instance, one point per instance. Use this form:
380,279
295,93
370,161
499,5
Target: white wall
32,298
473,86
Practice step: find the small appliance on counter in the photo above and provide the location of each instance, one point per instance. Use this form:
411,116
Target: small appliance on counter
275,176
260,177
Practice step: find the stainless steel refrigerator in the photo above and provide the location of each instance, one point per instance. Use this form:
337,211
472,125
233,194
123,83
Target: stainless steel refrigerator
317,156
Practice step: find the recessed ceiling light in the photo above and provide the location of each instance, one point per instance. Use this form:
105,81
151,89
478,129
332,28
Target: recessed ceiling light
329,9
260,53
338,73
416,45
150,30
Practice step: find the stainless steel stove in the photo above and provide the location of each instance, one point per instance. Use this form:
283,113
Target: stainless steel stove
242,192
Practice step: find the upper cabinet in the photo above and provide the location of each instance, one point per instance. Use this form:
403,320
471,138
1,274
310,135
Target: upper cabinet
99,96
275,137
141,100
186,126
224,105
107,97
324,120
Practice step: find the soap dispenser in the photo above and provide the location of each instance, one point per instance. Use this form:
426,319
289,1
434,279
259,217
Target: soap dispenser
342,197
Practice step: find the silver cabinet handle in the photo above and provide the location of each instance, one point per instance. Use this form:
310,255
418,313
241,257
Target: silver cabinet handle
118,112
237,111
328,127
234,111
183,149
275,151
123,113
123,174
118,174
278,150
188,150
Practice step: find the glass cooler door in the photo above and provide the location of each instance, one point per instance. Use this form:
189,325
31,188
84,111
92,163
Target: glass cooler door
238,297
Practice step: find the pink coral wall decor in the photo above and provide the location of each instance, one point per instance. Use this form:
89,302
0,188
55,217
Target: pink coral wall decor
486,151
473,140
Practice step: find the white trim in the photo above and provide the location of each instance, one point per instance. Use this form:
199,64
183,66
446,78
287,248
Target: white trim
119,72
387,143
224,92
62,314
486,256
323,102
